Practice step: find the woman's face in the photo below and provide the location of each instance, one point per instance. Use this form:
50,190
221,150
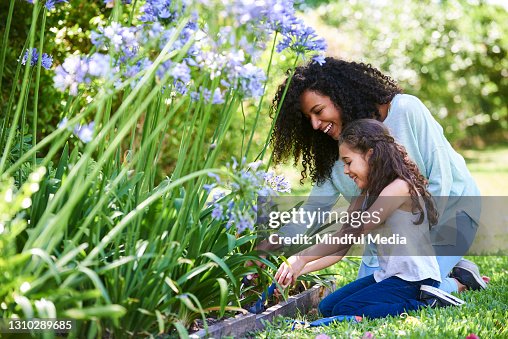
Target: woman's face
322,113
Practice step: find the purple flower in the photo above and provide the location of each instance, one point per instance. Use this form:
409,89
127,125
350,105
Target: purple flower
46,62
215,176
320,59
276,182
99,65
244,223
123,40
251,80
229,224
72,73
218,196
248,11
133,71
85,132
160,10
50,4
217,97
208,187
112,2
217,212
180,87
63,123
185,36
264,17
301,39
181,72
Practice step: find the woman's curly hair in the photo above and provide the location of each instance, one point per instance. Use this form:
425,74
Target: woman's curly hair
356,88
388,161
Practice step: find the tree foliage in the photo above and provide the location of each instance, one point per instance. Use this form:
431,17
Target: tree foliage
451,54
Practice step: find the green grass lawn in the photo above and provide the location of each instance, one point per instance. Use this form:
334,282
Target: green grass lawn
485,312
490,169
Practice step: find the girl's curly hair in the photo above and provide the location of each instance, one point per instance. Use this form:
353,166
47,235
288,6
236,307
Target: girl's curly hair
388,161
356,88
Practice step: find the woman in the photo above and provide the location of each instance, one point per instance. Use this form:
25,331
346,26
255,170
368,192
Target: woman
316,105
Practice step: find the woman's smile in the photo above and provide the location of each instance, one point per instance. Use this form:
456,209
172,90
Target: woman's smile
322,113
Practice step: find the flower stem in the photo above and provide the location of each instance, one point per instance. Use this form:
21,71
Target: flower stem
36,88
19,107
262,154
262,97
5,41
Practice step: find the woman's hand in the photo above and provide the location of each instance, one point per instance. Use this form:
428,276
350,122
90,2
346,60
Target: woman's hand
288,272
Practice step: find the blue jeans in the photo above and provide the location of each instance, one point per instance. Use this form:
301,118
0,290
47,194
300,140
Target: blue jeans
446,261
368,298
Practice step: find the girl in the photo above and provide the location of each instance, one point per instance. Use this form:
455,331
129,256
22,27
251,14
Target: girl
319,100
390,183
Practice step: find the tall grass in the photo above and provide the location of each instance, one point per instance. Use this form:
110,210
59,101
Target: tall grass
86,230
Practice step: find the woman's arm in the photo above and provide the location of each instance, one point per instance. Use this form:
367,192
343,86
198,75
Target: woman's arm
322,198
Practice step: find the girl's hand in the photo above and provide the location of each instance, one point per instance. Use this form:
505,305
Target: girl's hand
287,274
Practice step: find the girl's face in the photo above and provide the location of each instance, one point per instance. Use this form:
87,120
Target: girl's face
322,113
356,164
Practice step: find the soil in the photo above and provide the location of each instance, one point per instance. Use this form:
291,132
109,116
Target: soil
274,300
198,324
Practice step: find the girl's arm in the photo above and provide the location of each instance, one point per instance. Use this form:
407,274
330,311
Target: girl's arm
321,263
311,266
391,198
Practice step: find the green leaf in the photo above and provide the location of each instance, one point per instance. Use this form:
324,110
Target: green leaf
231,242
184,298
46,258
160,321
223,296
110,311
64,260
182,331
172,284
189,275
223,265
63,163
97,282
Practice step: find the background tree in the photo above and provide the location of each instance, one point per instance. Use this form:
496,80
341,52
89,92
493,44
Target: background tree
451,54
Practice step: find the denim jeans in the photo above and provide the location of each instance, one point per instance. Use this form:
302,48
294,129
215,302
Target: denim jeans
368,298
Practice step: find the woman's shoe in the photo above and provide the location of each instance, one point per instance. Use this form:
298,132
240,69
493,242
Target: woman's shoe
467,273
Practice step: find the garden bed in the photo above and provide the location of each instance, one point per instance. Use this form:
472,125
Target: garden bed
239,325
